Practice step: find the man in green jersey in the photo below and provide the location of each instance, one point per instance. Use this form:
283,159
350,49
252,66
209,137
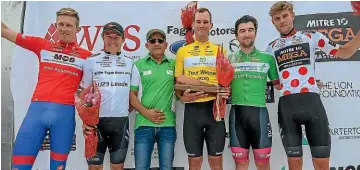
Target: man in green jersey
249,118
155,120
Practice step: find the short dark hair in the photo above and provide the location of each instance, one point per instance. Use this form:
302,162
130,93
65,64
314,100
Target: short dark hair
245,19
202,10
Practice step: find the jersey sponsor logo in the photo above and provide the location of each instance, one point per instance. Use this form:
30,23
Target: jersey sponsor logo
249,76
98,73
170,72
113,84
61,59
202,73
46,145
292,56
113,72
56,47
280,43
269,129
60,70
200,61
237,154
296,40
120,64
251,66
147,72
60,167
64,58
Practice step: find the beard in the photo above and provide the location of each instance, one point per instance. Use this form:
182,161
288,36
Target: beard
247,45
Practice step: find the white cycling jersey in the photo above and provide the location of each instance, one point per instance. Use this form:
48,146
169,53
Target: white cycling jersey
112,74
295,58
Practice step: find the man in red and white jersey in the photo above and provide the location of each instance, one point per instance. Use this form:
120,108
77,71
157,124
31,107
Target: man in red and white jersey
300,102
52,104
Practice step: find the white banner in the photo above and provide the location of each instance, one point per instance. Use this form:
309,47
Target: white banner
139,17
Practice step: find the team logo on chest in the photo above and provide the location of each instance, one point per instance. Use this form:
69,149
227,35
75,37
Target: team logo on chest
281,43
296,40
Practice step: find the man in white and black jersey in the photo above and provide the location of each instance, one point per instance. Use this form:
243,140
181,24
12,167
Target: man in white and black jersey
111,70
300,102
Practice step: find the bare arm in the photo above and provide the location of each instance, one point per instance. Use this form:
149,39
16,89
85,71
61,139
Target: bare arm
8,33
350,48
154,115
135,102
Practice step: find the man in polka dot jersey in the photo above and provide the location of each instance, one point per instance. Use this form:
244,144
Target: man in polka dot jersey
300,102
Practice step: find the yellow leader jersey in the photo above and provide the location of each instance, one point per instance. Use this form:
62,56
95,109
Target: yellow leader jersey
198,60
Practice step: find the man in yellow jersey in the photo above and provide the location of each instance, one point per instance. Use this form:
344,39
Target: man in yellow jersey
195,64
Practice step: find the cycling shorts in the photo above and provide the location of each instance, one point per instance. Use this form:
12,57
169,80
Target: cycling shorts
199,125
113,134
59,119
250,126
304,109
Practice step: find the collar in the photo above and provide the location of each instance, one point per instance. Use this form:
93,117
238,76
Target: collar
202,43
253,52
291,33
70,44
118,53
148,57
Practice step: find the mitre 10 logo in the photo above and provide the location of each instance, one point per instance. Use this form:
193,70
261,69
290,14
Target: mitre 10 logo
132,41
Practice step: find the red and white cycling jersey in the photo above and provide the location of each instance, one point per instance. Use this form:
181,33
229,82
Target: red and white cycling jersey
60,68
295,57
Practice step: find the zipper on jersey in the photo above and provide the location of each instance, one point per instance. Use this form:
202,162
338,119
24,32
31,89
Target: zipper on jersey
113,64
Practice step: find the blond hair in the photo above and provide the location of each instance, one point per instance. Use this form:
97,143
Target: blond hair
281,6
69,12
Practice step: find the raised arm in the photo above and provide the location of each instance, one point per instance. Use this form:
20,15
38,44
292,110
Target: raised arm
8,33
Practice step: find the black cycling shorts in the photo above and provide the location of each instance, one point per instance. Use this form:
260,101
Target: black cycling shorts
199,125
304,109
113,133
250,125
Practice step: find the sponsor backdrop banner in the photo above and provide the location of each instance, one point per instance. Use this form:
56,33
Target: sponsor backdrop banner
341,94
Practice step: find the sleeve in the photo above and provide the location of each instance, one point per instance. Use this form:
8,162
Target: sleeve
87,77
269,49
34,44
135,78
273,73
179,63
323,43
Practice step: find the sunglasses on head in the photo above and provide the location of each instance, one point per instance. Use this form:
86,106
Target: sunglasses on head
154,40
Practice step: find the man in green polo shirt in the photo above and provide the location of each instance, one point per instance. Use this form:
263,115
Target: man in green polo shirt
155,118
